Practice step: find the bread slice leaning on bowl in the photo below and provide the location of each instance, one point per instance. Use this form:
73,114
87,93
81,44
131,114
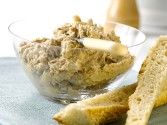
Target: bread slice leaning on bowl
104,108
152,79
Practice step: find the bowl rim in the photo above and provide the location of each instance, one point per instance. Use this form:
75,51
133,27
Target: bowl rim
143,34
12,33
111,22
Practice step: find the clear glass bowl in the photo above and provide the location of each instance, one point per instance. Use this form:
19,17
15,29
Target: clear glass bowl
30,29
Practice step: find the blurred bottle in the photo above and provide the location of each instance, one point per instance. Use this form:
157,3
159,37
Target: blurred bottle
124,11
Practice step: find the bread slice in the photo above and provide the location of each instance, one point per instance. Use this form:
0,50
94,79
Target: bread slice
100,109
152,80
103,108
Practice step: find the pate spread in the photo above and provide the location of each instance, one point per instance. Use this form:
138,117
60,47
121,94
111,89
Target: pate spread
63,60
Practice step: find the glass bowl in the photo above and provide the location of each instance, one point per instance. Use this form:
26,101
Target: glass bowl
28,30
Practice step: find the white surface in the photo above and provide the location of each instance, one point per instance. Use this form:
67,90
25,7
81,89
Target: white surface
20,103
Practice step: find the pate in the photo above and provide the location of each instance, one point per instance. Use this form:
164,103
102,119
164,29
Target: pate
64,61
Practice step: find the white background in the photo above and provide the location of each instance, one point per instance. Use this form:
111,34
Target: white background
11,10
153,13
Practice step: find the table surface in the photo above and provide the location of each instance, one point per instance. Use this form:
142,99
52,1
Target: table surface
21,104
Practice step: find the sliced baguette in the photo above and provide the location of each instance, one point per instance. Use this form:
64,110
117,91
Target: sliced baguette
101,109
152,80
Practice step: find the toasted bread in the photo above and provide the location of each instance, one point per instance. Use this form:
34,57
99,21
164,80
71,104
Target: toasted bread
101,109
152,80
